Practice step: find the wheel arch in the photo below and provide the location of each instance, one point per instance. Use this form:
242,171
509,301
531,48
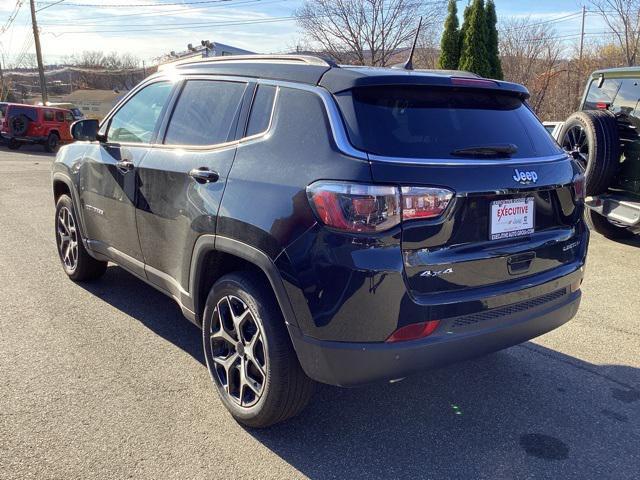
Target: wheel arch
214,256
62,184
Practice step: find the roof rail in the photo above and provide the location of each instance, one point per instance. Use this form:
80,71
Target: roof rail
306,59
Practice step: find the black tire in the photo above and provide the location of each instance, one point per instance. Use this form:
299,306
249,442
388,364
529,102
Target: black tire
285,389
593,136
19,125
52,142
13,144
82,267
604,227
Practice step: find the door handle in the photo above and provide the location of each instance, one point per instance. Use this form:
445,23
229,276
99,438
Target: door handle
124,165
204,175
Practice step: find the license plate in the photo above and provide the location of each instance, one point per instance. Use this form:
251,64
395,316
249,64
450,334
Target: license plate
511,218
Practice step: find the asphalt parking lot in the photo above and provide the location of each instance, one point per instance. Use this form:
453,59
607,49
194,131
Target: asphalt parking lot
107,380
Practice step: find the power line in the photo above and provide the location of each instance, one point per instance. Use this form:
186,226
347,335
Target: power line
117,17
12,16
125,5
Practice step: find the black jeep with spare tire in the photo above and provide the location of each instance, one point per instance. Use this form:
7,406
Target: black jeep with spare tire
603,136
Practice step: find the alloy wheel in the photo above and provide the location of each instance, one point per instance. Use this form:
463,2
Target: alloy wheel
67,239
238,352
575,143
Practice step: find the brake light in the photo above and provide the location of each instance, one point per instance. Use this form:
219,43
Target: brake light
473,82
424,202
602,105
358,208
413,331
355,207
579,184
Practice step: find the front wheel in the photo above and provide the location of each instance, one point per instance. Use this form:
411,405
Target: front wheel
249,354
76,262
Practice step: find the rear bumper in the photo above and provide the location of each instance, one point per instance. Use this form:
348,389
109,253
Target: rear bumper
456,339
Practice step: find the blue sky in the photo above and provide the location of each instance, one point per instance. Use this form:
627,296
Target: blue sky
150,30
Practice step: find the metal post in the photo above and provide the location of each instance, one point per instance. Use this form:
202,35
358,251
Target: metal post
36,39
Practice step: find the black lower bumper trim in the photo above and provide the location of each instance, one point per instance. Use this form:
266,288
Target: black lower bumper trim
351,364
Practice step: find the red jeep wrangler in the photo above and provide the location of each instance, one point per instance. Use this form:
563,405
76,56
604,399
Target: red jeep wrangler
47,126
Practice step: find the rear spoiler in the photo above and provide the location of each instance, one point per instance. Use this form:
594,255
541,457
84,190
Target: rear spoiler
338,80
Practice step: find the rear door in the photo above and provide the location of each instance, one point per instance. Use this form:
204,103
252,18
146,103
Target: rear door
512,215
183,176
107,176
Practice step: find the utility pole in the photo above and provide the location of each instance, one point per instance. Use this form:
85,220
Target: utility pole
1,82
36,39
584,12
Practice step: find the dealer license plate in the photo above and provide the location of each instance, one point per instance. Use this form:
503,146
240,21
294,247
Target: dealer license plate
511,218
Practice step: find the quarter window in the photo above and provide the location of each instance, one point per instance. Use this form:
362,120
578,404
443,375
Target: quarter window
59,117
205,113
136,120
48,116
261,110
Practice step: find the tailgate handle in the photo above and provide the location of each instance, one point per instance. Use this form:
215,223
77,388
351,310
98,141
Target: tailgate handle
520,263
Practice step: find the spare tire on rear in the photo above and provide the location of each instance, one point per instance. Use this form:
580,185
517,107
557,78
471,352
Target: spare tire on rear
592,137
19,125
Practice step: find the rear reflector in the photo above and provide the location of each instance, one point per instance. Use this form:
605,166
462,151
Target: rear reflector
413,331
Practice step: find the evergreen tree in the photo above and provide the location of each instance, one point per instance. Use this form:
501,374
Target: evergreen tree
474,55
450,42
492,45
463,29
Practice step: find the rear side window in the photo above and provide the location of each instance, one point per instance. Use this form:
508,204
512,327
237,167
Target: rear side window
261,110
205,113
604,93
48,115
627,97
59,117
433,122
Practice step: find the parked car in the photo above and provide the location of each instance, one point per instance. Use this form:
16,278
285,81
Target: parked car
75,111
603,136
29,124
554,128
322,223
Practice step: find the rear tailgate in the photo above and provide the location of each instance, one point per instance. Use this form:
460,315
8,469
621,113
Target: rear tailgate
514,212
458,250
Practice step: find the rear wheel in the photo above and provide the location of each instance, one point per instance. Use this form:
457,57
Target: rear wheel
249,354
52,142
604,227
592,138
76,262
13,144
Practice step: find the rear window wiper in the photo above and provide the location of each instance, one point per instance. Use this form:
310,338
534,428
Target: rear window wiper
506,149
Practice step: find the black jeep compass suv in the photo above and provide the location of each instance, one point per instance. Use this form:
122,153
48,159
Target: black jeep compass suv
329,223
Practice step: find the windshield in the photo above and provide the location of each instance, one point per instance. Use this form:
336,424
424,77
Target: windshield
435,122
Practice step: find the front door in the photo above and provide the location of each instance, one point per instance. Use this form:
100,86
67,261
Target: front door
183,177
108,183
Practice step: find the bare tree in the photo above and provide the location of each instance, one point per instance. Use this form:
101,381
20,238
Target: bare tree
365,32
530,54
623,18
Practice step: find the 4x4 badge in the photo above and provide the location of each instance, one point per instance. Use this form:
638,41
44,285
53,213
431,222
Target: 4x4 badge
525,177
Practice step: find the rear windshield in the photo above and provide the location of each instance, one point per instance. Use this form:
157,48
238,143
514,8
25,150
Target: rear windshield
432,122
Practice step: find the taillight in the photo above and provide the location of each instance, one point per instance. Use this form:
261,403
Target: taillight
355,207
413,331
424,202
579,183
358,207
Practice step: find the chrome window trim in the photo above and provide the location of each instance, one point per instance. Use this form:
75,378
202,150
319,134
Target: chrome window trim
449,162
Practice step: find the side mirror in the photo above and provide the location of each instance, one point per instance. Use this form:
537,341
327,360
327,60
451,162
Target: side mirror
85,130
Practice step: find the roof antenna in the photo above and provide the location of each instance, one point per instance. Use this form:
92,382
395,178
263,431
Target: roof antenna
408,65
